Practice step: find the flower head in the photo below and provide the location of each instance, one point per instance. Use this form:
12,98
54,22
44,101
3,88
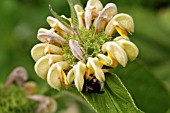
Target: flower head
80,56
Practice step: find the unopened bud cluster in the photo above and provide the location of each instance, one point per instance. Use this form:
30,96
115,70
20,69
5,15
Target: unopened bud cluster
67,56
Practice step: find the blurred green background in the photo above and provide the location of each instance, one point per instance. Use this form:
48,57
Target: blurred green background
20,20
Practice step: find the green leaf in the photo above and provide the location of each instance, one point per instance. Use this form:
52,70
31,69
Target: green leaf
73,12
115,98
148,91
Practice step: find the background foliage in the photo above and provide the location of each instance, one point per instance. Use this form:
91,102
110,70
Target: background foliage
148,79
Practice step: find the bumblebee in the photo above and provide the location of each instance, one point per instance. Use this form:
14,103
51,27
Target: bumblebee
92,85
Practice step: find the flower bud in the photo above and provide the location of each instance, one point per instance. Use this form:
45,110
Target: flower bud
46,104
76,49
18,75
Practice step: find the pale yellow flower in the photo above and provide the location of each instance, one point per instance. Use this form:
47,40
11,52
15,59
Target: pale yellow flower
79,71
44,63
91,11
120,23
58,26
49,36
43,49
80,56
116,52
129,47
95,66
105,15
80,15
57,69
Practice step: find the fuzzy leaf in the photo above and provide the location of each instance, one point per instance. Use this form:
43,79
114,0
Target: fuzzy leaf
115,99
73,12
149,93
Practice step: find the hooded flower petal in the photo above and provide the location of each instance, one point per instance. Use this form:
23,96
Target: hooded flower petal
130,48
58,26
105,15
116,52
70,76
50,36
69,19
79,72
121,37
76,49
94,64
43,64
104,59
80,15
110,29
56,75
91,11
122,23
40,50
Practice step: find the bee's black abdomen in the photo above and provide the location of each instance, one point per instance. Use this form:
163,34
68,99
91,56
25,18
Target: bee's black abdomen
92,86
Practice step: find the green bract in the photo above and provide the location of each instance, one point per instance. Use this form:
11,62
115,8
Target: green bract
14,100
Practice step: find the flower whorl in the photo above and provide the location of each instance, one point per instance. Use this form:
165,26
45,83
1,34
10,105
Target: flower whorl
67,56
